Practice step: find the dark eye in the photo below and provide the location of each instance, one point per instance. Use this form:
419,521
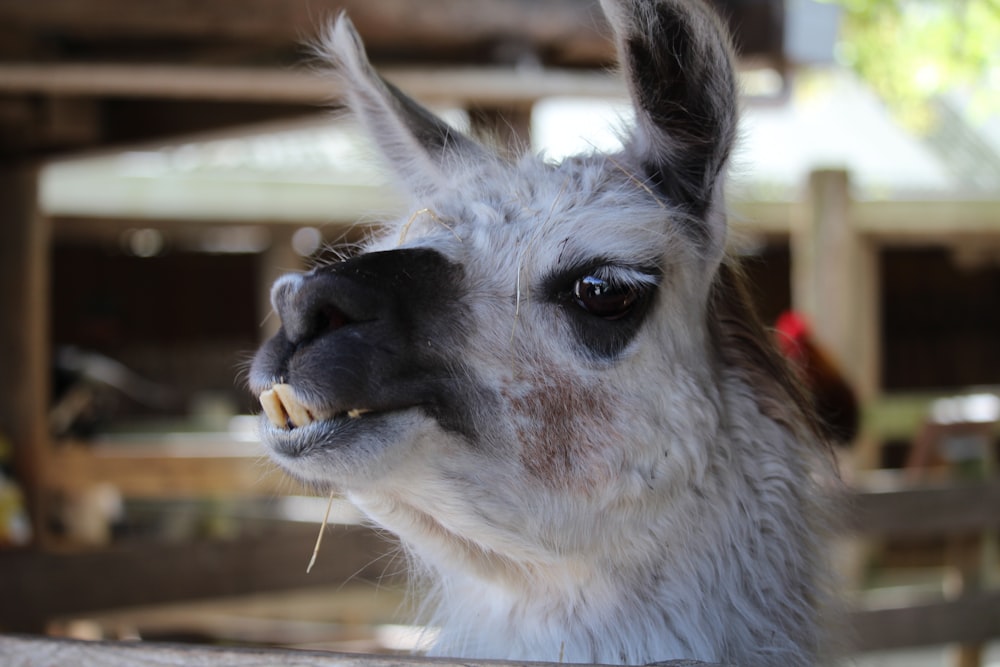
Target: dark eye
603,298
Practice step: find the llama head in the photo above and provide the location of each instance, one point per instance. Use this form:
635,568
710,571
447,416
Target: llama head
520,376
536,323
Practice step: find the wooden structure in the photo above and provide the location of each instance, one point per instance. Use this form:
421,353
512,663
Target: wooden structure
83,75
51,584
27,652
894,512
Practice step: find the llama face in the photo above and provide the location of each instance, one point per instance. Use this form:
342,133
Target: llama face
506,336
510,312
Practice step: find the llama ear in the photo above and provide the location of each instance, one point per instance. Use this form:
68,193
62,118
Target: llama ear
422,149
677,58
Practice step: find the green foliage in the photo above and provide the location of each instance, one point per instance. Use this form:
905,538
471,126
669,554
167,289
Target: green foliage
911,50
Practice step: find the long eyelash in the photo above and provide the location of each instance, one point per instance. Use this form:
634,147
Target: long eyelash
625,276
559,286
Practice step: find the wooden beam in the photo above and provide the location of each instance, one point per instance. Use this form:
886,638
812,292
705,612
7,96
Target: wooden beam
938,221
571,30
332,615
201,465
24,334
835,285
464,86
969,619
24,652
206,466
926,511
39,586
78,190
564,31
922,221
835,279
770,218
64,581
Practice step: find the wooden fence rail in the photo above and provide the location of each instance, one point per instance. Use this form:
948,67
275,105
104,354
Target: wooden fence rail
973,618
898,510
953,513
51,583
21,651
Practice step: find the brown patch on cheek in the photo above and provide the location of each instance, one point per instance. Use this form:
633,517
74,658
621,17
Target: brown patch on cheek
565,428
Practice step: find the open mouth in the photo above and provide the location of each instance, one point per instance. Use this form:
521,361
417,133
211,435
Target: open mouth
286,411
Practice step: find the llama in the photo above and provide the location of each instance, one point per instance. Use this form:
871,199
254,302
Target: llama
547,381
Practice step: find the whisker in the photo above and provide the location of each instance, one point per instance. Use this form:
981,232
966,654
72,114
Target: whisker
433,216
637,181
524,256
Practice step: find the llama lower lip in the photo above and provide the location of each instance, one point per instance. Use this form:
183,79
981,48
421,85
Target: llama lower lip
321,435
315,427
340,451
286,411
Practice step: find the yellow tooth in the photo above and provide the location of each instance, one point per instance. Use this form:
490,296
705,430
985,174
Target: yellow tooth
273,408
297,413
356,412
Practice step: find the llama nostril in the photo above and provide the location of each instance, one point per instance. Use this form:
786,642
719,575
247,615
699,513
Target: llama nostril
305,307
331,318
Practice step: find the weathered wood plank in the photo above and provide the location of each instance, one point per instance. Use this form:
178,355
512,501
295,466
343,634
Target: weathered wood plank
973,618
835,281
145,470
20,651
387,25
38,586
939,221
923,221
486,86
970,619
24,332
926,511
343,616
564,31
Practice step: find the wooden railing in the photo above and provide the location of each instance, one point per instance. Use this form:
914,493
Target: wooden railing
20,651
954,511
894,511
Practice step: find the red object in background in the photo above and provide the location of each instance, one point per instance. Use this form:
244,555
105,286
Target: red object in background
834,400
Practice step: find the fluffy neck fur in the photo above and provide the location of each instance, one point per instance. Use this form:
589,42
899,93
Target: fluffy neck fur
722,570
611,494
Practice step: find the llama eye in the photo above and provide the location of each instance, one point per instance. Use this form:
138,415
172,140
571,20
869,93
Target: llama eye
604,299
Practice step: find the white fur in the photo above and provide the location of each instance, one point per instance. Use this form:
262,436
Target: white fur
680,515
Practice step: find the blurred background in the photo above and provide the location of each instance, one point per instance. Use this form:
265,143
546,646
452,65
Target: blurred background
162,162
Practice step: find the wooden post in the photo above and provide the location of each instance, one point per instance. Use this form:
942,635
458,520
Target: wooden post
835,284
24,330
964,577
